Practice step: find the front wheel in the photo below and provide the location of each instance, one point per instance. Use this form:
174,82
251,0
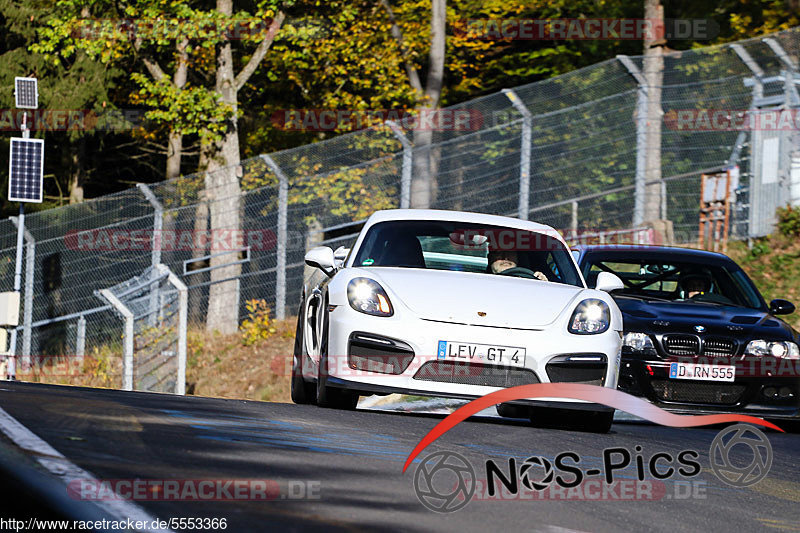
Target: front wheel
574,419
599,422
302,392
508,410
332,397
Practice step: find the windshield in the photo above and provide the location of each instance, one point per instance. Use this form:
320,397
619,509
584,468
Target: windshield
677,281
459,246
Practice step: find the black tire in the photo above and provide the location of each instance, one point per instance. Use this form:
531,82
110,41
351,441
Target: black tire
573,419
302,391
332,397
508,410
599,422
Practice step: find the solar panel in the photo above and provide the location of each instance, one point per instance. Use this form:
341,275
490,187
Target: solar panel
26,93
25,170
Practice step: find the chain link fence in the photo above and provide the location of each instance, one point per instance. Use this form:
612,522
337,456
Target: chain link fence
566,151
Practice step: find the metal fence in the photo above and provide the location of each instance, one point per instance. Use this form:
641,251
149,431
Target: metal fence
567,151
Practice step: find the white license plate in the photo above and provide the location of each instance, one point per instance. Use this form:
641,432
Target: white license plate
702,372
492,354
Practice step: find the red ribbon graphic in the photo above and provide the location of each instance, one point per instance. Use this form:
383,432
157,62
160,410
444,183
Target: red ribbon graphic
576,391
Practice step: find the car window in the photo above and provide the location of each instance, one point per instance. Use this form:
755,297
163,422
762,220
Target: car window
677,280
458,246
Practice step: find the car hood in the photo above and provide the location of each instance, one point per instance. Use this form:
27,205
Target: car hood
649,316
459,297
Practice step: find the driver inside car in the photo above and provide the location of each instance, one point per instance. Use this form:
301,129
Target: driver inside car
502,260
695,285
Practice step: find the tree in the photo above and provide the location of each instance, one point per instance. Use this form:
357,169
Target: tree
428,98
197,42
221,158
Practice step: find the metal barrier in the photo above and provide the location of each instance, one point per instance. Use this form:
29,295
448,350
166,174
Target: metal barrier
154,331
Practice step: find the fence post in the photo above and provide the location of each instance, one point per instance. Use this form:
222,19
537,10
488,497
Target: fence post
408,161
155,259
127,353
283,220
778,50
641,139
80,339
183,311
791,100
794,174
523,209
573,225
27,317
754,214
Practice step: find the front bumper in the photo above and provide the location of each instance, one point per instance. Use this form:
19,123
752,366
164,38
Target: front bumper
649,378
423,336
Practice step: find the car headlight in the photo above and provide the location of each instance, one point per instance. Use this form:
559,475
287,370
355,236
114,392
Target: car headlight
761,348
366,296
638,342
591,317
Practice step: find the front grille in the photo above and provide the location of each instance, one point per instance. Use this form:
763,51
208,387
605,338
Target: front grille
708,393
575,374
374,353
589,368
718,347
475,374
682,344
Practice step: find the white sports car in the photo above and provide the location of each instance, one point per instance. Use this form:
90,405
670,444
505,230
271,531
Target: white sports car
451,304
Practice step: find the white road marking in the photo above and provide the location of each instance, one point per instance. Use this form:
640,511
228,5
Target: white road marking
60,466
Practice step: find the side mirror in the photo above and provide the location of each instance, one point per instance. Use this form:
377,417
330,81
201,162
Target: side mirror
606,281
781,307
322,258
339,255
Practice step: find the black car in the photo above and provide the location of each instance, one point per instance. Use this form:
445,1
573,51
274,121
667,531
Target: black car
698,336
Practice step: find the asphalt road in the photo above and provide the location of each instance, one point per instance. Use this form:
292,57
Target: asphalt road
351,463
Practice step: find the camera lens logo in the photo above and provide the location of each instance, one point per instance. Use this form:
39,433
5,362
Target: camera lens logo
525,473
727,464
444,482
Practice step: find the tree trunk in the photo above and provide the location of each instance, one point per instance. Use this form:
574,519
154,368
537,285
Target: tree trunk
174,153
77,176
654,74
222,183
422,184
223,194
175,141
421,177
